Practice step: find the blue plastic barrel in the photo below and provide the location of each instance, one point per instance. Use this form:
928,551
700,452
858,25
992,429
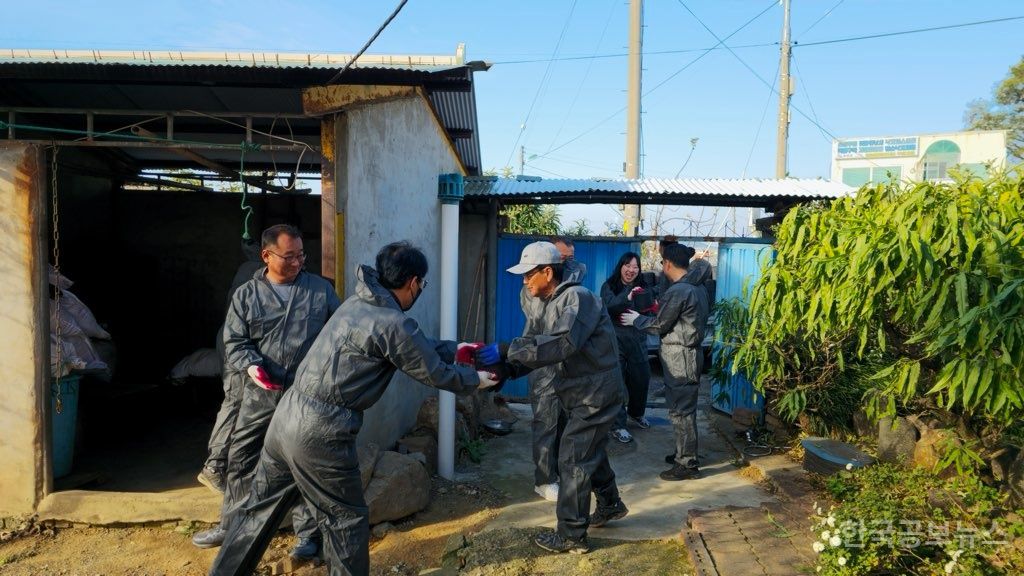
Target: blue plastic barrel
62,426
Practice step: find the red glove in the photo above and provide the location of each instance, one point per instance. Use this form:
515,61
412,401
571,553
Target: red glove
262,379
465,353
652,309
636,290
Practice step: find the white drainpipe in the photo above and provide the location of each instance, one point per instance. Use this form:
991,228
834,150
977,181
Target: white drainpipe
450,194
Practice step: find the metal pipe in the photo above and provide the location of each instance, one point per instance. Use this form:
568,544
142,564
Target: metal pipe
215,166
117,112
450,193
490,325
165,145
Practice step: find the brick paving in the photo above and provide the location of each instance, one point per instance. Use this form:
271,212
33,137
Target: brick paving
771,539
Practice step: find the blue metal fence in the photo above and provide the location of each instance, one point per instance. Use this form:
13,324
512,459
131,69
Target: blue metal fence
739,266
599,256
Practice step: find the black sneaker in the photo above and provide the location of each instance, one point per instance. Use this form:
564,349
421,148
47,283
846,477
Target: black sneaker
605,514
679,472
212,479
553,542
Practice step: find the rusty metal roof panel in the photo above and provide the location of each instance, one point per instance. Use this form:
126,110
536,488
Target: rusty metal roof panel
555,189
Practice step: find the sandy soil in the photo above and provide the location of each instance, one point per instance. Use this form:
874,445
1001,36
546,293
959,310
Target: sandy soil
452,521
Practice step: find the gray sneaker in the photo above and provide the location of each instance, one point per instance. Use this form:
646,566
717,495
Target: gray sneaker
211,538
212,479
605,514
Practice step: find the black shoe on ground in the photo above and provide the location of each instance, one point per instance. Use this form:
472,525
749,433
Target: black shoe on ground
605,514
679,472
306,549
212,479
553,542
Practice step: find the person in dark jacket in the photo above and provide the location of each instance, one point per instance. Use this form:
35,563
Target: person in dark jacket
214,472
271,323
310,447
571,332
548,417
680,322
624,290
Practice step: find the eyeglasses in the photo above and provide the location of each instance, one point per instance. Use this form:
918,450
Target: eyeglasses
532,273
300,257
423,284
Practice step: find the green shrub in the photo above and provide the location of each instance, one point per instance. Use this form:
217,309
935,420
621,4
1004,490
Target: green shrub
890,520
913,293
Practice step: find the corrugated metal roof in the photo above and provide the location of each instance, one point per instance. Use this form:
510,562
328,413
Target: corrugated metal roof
420,63
556,189
457,111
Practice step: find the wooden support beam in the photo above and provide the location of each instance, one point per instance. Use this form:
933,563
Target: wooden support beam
320,100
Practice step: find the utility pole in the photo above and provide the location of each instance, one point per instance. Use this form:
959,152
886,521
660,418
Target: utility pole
522,159
631,213
785,93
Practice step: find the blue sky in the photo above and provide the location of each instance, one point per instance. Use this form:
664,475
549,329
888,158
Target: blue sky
572,109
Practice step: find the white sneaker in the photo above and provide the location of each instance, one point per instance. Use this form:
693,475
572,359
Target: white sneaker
548,492
622,435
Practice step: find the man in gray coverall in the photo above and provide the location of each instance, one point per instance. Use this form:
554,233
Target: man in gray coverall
310,448
680,322
548,416
571,332
214,470
271,323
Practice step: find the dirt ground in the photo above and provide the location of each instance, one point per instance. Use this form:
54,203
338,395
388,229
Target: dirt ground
451,523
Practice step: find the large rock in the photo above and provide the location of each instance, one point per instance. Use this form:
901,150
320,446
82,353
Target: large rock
425,445
932,447
896,442
863,426
368,454
400,487
426,421
1015,480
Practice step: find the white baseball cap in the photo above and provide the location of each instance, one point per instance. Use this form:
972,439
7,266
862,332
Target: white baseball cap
537,254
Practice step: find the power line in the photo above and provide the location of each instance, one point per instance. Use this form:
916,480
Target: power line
754,72
586,74
660,84
766,44
823,16
543,81
915,31
807,93
764,113
624,54
368,42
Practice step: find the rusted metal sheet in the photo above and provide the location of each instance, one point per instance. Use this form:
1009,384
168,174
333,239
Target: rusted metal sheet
24,333
328,205
326,99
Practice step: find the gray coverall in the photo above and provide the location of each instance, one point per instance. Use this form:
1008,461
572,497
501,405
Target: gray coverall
310,449
681,322
260,329
573,334
548,416
224,425
636,373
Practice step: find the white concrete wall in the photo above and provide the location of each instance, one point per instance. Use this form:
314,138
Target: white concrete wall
395,152
976,147
22,480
